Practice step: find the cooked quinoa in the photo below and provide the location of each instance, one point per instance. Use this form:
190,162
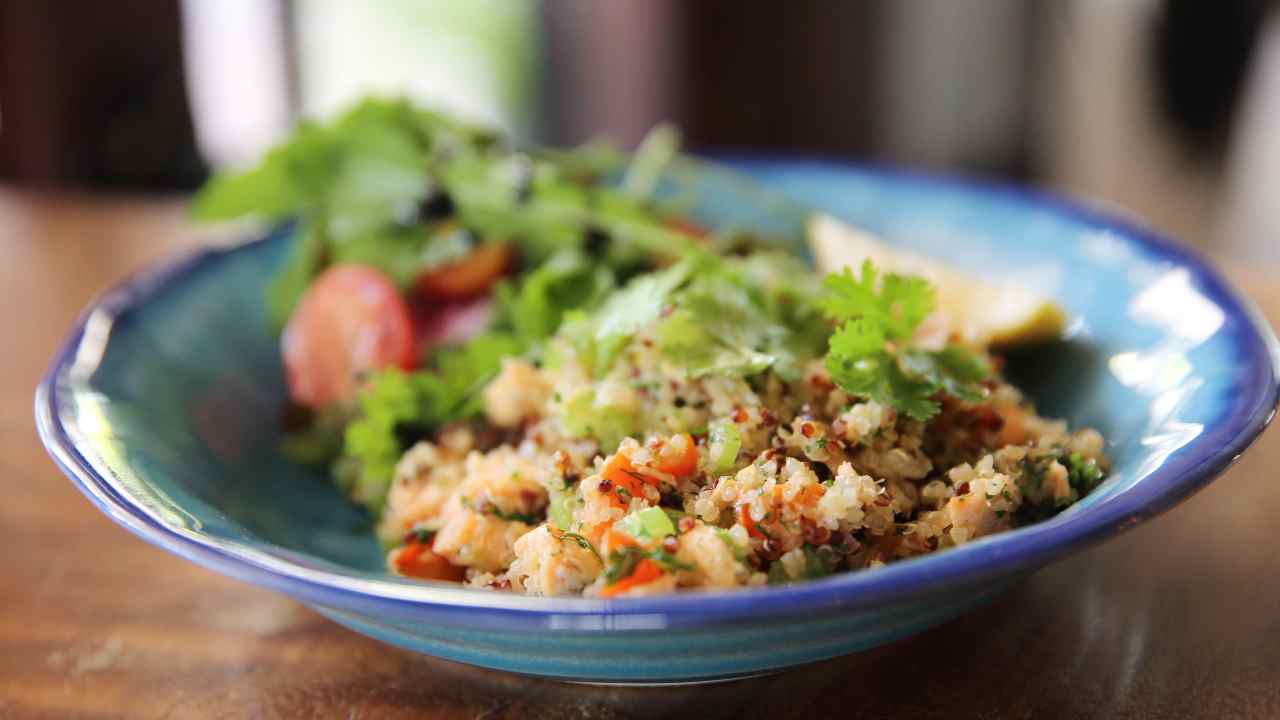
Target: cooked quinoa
645,477
540,375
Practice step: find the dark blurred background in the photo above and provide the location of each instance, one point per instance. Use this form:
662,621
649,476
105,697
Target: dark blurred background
1165,108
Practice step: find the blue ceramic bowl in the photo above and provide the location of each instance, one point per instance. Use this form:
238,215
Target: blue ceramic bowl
162,408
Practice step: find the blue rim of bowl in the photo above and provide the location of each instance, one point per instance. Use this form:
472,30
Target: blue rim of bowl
1024,549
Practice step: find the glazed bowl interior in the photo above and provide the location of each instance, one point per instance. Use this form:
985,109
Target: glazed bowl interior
165,404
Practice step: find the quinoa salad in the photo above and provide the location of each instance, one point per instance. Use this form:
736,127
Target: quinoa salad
539,377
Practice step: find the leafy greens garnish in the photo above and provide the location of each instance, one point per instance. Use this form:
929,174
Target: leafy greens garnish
369,186
870,355
395,404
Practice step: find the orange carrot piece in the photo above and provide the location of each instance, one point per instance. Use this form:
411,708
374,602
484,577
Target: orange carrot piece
744,517
646,572
418,561
679,456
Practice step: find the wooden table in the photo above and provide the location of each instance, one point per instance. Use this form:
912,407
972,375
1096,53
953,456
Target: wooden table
1178,619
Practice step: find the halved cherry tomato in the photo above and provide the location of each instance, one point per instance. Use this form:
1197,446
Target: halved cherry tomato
418,561
646,572
350,321
678,456
471,275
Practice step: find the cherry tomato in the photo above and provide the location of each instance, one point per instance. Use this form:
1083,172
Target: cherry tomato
350,321
470,275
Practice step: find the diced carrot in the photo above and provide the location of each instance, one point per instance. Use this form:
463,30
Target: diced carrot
646,572
418,561
744,517
811,495
622,474
595,532
679,456
615,540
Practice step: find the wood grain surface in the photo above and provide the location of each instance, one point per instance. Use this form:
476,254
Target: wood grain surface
1177,619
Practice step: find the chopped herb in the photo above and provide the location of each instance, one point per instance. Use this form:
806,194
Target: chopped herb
491,509
1083,475
668,561
623,562
582,542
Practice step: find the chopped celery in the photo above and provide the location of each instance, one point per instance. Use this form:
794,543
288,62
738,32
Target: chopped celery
561,508
724,442
582,416
650,522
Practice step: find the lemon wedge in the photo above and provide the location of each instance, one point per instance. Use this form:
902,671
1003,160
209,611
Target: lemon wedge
978,312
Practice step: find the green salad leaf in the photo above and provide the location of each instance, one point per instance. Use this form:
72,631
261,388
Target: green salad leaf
535,306
394,404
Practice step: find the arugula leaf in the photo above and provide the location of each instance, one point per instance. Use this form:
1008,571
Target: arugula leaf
870,355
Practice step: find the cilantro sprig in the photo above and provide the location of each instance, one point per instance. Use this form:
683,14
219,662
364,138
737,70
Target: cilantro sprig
870,353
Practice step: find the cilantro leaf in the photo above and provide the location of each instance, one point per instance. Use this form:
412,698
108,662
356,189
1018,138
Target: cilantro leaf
898,306
628,310
869,354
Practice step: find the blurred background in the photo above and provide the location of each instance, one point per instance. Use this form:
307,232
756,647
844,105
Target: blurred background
1164,108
